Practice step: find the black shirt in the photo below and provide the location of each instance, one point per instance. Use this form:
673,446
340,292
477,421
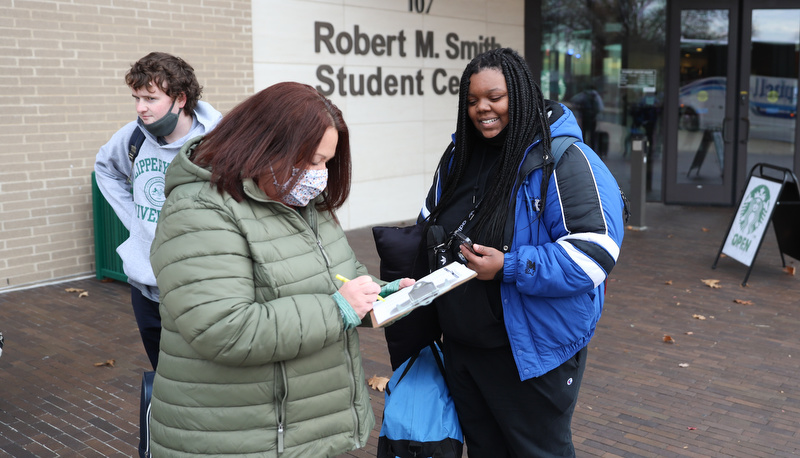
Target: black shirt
472,313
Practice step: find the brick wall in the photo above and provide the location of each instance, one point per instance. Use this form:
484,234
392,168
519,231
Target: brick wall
62,95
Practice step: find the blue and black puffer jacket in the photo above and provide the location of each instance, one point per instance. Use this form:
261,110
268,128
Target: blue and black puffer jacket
556,258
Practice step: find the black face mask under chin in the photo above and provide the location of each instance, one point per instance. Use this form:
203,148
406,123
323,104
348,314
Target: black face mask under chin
164,126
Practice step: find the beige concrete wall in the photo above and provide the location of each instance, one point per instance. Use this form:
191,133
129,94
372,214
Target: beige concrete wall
342,46
62,95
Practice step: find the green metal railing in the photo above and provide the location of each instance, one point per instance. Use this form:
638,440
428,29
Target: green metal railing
109,233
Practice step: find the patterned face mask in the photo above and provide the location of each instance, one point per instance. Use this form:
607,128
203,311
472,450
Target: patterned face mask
310,185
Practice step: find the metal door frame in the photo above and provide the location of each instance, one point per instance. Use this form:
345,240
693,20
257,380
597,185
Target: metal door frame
736,101
690,193
742,171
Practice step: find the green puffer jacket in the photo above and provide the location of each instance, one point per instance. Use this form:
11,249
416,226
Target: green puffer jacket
254,361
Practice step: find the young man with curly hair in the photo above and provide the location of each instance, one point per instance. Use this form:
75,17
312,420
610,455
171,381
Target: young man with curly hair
166,97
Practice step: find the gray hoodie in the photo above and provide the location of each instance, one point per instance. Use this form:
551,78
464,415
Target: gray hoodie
138,204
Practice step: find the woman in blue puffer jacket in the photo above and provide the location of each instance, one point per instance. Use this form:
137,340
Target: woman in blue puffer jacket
547,235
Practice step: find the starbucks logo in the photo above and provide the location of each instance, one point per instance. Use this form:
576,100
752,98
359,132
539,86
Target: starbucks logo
754,209
154,191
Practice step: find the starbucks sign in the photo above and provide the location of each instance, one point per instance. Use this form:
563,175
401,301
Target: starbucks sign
751,220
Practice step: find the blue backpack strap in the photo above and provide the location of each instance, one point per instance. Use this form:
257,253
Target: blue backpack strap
560,144
137,138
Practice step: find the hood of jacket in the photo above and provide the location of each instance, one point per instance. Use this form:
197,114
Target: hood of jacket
562,124
207,116
182,171
562,121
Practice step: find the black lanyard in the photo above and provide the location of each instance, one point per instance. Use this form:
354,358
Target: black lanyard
469,217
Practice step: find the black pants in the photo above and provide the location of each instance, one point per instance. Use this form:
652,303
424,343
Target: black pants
149,321
502,416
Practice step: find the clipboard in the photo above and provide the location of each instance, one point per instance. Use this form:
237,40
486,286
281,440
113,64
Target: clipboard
421,293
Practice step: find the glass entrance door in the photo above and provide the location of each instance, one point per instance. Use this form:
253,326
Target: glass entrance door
769,70
700,141
731,107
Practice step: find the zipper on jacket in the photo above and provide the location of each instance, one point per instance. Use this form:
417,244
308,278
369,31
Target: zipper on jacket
324,254
280,437
314,223
281,408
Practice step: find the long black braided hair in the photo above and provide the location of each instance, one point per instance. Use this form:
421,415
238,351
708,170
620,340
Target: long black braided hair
527,121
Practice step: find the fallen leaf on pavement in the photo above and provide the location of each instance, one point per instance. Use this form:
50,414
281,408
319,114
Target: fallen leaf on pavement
711,283
74,290
683,365
83,294
689,333
705,229
668,282
669,339
377,383
691,428
789,270
698,317
739,301
108,362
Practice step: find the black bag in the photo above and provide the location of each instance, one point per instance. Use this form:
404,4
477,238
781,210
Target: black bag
144,414
400,250
419,417
402,253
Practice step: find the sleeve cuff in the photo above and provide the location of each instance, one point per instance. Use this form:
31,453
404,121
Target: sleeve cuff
390,288
507,273
349,317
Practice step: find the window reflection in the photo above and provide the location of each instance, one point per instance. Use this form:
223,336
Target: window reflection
587,48
702,96
773,87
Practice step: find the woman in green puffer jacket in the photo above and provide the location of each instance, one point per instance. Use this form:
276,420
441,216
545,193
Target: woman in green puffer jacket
259,357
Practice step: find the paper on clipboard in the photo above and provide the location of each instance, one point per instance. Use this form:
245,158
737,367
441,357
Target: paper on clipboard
421,293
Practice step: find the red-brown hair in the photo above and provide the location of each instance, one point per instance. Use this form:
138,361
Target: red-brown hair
271,132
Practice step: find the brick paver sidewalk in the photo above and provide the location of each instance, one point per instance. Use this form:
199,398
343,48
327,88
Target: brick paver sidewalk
728,385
